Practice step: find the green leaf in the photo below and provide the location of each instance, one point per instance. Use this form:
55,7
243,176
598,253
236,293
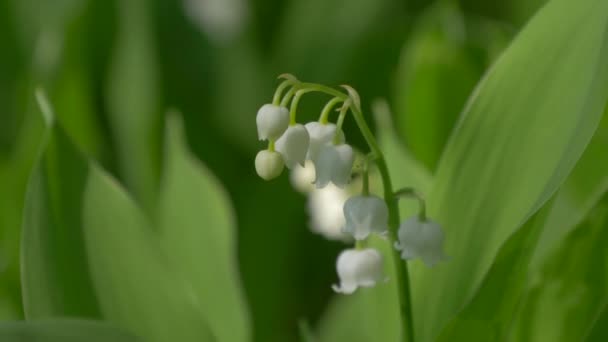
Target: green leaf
54,271
89,251
521,134
489,314
63,330
198,231
584,187
138,288
571,291
435,76
599,330
133,100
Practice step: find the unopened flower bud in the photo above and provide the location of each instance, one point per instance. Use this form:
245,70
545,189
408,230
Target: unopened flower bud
358,268
293,145
421,239
334,164
269,164
365,215
272,121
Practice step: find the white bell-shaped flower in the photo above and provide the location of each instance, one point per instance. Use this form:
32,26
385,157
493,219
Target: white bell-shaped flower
303,177
293,145
334,164
325,212
272,121
365,215
358,268
320,134
268,164
421,239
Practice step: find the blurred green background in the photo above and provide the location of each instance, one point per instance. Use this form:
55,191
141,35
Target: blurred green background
113,68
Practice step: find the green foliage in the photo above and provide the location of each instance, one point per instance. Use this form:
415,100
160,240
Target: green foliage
63,330
125,226
524,128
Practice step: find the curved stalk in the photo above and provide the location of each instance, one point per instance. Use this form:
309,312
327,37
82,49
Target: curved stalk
401,269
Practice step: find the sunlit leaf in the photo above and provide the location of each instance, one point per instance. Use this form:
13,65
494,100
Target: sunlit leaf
198,231
521,134
63,330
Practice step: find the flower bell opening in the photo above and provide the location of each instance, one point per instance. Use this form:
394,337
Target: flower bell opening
334,165
421,239
358,268
365,215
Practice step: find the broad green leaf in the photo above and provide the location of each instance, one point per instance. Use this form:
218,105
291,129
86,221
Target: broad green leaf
435,76
520,135
137,286
572,289
490,313
583,188
373,314
133,100
88,250
198,231
63,330
55,280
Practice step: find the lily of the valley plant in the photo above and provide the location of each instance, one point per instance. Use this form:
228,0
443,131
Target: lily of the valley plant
324,144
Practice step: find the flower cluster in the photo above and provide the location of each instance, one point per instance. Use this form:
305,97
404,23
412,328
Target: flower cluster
322,165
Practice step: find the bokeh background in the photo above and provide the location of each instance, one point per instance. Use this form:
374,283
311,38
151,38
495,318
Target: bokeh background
113,68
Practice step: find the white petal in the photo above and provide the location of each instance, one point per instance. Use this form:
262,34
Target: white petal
358,268
421,239
325,211
302,177
293,145
320,134
334,164
271,121
364,215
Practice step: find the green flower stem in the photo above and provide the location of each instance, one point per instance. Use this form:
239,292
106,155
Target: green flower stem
412,193
270,145
340,122
276,99
365,186
294,104
401,269
324,118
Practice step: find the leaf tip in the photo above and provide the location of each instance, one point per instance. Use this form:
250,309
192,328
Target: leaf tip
45,107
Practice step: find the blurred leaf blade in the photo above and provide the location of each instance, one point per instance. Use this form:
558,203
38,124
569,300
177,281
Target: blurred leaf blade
434,59
198,231
63,330
509,152
133,278
133,100
54,273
